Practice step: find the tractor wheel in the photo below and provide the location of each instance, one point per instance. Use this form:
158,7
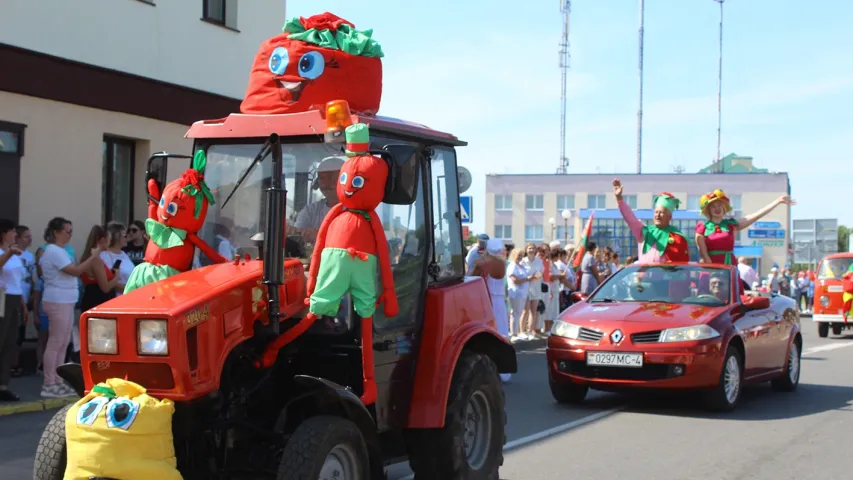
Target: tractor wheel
822,330
325,447
470,445
51,454
837,328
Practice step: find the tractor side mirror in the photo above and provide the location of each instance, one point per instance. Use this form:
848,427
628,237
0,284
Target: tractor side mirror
157,169
404,161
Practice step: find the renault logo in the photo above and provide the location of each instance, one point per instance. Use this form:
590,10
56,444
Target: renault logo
616,336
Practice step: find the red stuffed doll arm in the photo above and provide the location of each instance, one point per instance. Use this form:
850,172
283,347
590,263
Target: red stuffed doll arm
206,249
389,295
153,199
314,268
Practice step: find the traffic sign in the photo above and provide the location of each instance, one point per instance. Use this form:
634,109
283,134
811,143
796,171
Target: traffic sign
764,233
767,225
466,205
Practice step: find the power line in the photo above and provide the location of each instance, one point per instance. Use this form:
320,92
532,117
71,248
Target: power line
565,57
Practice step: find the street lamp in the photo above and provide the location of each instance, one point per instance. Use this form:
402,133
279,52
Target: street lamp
553,223
566,214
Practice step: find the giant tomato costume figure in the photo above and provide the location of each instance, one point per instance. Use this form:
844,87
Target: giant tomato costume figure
173,224
847,283
316,60
350,243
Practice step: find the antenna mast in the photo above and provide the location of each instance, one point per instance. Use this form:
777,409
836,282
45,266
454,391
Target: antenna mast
719,162
640,108
565,56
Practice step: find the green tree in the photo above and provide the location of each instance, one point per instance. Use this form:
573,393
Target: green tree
472,239
843,235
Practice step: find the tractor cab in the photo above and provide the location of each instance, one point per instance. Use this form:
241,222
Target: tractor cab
273,178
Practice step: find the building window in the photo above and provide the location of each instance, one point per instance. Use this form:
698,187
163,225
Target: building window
736,206
693,203
630,200
561,234
565,202
534,202
504,232
503,202
595,202
118,169
11,151
220,12
534,233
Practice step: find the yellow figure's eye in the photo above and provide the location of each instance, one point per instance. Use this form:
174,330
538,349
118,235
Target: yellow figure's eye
121,413
90,410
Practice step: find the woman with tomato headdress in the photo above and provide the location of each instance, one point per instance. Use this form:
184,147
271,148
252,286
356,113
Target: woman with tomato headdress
715,237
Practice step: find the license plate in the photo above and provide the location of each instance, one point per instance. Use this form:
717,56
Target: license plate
612,359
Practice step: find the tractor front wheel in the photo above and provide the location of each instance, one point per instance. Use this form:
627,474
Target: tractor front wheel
470,445
51,452
325,447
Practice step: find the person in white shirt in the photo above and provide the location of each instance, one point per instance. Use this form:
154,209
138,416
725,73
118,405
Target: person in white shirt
311,216
517,286
475,252
61,292
117,238
746,272
773,280
11,305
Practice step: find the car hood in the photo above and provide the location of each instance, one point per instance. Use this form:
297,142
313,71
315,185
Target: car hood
642,312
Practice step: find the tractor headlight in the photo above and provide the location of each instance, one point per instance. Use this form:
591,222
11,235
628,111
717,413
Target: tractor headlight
824,301
688,334
101,333
565,330
153,337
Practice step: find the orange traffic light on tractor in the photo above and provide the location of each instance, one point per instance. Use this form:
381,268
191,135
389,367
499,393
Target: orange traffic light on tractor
338,118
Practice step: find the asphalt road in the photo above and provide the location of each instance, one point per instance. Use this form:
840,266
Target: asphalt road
772,435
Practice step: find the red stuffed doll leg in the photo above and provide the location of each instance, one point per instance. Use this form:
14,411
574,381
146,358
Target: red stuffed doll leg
369,382
271,353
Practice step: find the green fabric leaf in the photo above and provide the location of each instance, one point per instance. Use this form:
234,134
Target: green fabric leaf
163,236
105,391
200,161
659,237
360,212
726,225
346,39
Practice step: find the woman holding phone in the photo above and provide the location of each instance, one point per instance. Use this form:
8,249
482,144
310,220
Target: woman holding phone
114,256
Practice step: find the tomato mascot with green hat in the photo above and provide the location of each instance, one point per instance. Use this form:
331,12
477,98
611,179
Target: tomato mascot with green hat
667,239
349,245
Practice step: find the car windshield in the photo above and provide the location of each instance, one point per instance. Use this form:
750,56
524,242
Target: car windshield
688,284
834,268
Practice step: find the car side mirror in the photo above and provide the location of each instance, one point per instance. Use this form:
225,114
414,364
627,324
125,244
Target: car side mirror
755,303
579,297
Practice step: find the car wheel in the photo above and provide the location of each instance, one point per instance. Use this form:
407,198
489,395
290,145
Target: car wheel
51,452
567,392
837,329
791,378
470,445
325,447
724,397
822,330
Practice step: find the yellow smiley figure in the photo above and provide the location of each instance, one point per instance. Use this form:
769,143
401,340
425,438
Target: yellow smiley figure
119,431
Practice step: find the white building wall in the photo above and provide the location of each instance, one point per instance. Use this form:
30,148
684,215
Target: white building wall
166,41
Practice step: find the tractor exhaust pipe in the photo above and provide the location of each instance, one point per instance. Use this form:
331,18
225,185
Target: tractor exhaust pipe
274,234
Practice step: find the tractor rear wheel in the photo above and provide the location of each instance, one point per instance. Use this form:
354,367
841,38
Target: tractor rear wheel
325,447
51,452
470,445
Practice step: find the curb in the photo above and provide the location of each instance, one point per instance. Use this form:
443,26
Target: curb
56,403
35,405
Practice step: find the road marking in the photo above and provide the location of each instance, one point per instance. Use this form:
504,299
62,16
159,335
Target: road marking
826,348
520,442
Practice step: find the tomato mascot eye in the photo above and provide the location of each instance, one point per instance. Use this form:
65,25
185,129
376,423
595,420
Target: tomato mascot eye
279,60
358,181
311,65
88,413
343,179
162,202
172,209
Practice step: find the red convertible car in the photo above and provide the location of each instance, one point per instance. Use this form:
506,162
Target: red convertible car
675,326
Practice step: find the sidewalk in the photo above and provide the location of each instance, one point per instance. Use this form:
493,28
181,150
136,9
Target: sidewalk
28,387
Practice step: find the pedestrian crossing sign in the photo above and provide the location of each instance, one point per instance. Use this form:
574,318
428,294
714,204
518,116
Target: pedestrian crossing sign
465,206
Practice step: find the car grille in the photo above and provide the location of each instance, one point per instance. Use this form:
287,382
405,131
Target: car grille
649,371
646,337
590,335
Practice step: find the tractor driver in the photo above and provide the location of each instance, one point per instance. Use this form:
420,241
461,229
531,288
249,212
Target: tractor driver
326,180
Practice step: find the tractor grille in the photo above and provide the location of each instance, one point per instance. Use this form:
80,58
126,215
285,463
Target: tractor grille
590,335
646,337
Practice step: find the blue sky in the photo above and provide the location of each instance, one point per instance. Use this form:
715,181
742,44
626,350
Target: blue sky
488,73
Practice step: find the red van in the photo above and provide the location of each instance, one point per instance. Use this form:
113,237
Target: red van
828,293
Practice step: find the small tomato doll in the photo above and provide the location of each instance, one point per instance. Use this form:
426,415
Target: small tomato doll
349,245
173,225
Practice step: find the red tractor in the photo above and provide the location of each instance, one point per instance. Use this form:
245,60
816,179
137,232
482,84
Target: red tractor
198,338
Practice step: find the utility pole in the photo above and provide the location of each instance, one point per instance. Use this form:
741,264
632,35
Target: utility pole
565,56
640,110
719,162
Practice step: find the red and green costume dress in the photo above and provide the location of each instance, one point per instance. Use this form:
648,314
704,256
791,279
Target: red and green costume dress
719,239
847,283
668,240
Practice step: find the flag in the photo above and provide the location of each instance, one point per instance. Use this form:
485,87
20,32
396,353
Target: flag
580,248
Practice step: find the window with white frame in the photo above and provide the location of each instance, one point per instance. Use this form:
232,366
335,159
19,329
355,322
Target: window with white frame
534,233
503,232
565,202
630,200
693,203
736,202
595,202
561,234
220,12
534,202
503,202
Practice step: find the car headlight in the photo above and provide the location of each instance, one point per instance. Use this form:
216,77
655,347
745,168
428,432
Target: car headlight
824,301
688,334
102,336
566,330
153,337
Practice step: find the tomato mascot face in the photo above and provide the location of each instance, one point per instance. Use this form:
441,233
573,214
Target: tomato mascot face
177,208
361,183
